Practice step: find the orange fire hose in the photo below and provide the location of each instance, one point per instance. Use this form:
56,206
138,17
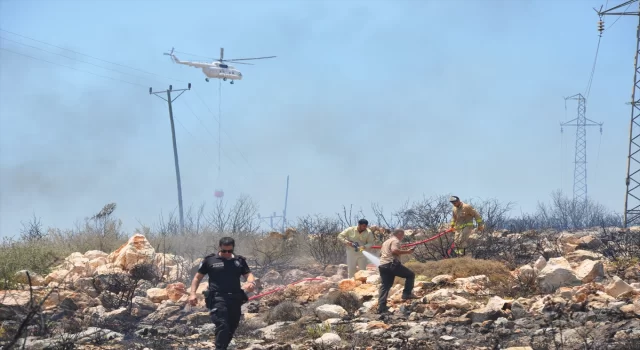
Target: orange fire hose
420,242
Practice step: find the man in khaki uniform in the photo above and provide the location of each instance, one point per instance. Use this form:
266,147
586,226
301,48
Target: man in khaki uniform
364,238
462,222
390,267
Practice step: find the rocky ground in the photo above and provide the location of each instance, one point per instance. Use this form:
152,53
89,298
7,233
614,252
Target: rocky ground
573,299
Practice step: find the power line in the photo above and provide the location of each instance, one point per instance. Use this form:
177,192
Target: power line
200,120
593,69
226,133
79,70
620,16
107,77
118,64
194,55
125,73
54,63
595,59
242,174
207,129
83,54
201,145
121,80
71,58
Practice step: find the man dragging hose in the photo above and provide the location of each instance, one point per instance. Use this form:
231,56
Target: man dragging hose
357,239
462,222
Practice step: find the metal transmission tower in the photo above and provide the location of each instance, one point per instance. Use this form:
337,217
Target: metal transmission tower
631,210
175,147
277,217
580,170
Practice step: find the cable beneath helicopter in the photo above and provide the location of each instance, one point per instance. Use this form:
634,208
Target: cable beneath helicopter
219,127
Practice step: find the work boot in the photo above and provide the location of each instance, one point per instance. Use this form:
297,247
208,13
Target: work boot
383,310
411,296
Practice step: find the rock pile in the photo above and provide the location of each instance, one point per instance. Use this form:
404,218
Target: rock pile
135,298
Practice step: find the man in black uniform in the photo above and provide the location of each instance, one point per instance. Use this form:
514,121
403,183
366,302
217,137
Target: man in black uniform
225,296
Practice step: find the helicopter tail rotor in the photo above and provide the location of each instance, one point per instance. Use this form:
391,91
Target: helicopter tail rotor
169,53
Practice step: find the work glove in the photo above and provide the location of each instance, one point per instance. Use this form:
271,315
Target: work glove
481,227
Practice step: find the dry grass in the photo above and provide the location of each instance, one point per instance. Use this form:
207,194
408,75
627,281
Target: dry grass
292,332
459,268
501,282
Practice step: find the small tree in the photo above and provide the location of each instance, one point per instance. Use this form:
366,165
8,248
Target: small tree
106,228
565,213
273,252
348,219
494,213
32,231
239,220
322,239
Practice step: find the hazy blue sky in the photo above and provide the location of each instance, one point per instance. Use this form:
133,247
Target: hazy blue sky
367,101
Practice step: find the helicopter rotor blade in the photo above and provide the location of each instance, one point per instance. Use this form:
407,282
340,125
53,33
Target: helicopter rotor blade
246,59
250,64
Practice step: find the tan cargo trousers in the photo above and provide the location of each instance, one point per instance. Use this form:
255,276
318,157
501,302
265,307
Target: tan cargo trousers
355,258
462,237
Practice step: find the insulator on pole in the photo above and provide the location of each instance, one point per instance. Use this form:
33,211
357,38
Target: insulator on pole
600,26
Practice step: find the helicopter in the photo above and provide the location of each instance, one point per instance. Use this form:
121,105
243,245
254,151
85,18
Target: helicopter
217,69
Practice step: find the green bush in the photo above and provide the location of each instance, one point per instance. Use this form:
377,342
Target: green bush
36,256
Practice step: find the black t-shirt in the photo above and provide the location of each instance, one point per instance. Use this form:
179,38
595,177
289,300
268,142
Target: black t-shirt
224,274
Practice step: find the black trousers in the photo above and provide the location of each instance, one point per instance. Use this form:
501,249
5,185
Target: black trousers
225,314
388,272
